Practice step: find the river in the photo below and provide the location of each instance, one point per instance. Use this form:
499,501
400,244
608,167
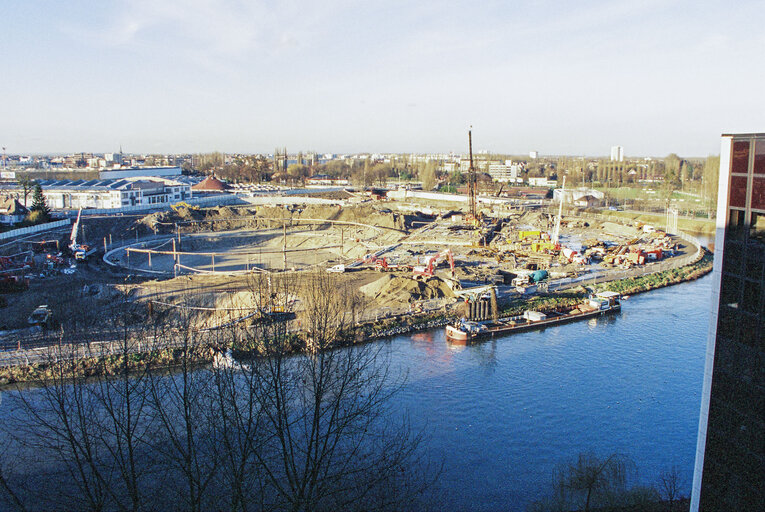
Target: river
502,413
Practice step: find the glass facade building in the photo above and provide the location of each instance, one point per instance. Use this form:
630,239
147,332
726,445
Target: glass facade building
730,456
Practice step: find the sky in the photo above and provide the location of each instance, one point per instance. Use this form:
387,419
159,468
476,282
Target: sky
342,76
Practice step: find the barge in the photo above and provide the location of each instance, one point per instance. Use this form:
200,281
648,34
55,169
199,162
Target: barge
465,331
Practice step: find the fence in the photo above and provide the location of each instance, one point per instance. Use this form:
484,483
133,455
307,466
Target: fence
35,229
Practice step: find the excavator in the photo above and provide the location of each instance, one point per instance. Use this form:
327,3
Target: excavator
427,270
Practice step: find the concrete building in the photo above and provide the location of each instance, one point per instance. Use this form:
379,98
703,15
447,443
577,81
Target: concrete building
730,451
542,182
503,172
533,155
617,154
74,194
113,158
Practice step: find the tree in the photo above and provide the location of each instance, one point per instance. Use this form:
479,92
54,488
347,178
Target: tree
710,178
589,480
26,183
39,204
428,176
292,423
297,172
669,485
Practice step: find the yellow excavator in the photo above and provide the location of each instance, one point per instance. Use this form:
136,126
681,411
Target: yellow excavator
183,204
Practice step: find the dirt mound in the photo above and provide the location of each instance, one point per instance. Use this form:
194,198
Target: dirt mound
155,221
400,289
533,218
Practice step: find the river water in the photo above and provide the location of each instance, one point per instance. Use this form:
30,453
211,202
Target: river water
502,413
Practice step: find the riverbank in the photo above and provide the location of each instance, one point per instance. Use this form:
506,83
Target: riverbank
167,358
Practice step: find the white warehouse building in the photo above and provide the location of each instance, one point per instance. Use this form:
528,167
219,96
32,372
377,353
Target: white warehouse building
140,191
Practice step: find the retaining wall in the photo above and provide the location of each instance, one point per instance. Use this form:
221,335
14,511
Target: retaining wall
35,229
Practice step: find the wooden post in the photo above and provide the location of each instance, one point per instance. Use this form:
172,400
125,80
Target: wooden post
284,245
105,248
149,253
175,257
213,262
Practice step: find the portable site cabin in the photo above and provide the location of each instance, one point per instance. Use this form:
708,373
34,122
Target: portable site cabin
605,300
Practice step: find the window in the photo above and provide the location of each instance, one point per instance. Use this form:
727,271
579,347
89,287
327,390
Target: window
733,257
758,194
759,156
730,294
752,295
740,157
738,191
735,230
757,228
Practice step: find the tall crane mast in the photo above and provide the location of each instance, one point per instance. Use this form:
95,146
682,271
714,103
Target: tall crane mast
556,233
472,179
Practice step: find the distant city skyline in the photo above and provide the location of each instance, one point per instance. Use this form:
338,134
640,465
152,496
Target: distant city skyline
193,76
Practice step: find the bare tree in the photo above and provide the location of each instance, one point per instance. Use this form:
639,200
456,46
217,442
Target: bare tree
590,478
669,485
9,493
179,400
294,422
332,444
62,422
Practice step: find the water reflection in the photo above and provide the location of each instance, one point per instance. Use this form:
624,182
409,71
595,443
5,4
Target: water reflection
504,411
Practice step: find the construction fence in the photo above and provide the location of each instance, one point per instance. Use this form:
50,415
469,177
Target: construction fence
35,229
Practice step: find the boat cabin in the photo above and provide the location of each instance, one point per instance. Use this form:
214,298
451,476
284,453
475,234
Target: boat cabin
605,300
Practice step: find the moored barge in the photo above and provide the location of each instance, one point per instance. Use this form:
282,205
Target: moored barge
465,331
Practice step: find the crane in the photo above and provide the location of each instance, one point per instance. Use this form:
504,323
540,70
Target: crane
80,251
472,192
556,233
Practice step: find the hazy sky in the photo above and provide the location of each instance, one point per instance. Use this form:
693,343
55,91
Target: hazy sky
560,77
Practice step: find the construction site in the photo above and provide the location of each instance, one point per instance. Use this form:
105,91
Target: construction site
398,257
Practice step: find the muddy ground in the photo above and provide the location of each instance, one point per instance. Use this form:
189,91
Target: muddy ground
95,293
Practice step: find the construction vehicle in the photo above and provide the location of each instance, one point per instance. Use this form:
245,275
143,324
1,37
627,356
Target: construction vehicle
534,235
54,260
80,251
382,265
45,246
183,204
544,247
427,270
42,316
